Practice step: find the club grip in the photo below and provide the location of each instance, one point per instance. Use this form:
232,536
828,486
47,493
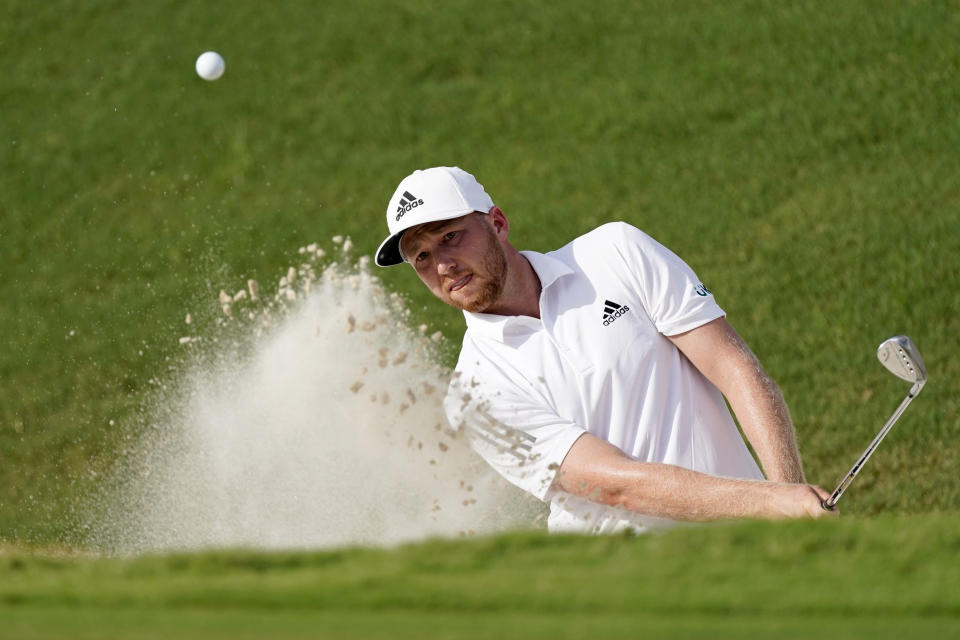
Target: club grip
827,506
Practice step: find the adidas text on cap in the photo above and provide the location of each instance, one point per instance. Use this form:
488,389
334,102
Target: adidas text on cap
429,195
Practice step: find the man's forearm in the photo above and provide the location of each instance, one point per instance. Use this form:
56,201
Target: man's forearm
762,412
600,472
725,359
682,494
765,420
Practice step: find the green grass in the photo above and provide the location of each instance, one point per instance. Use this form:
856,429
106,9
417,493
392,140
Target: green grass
144,624
801,156
878,578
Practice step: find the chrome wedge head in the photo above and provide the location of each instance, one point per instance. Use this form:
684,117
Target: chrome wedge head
900,355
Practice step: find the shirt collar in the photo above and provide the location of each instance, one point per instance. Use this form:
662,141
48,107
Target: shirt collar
549,270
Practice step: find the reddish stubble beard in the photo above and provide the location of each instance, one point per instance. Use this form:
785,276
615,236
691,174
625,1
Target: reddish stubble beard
493,265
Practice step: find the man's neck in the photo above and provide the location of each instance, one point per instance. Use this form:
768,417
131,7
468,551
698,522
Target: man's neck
521,291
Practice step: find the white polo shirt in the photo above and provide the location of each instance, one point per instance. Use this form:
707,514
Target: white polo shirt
597,361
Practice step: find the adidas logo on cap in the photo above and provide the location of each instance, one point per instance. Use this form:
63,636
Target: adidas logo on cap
612,311
407,202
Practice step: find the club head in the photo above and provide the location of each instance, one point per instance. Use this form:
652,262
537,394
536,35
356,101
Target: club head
902,358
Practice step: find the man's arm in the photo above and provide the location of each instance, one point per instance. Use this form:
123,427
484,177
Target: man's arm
721,355
599,471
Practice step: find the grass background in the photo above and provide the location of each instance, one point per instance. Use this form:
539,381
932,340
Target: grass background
802,157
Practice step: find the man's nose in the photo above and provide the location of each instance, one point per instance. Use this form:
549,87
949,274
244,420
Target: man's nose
445,263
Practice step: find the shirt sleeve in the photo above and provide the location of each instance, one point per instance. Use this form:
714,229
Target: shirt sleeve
671,293
511,428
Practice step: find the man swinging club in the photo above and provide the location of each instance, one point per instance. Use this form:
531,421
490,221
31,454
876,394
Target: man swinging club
594,376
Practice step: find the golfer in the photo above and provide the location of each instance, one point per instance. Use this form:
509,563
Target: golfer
593,376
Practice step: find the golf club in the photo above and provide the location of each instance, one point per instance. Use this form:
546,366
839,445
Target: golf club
900,356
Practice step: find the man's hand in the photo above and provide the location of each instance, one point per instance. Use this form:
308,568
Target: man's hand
798,501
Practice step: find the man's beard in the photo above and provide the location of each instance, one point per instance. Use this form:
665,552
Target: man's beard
494,265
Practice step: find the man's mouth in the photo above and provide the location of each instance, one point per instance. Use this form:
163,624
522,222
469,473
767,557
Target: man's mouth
461,283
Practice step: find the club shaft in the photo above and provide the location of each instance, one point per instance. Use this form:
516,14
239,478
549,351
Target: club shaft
830,502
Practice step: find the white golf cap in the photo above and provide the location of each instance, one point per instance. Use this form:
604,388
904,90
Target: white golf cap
428,195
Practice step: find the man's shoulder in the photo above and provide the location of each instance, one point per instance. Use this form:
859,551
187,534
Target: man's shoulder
602,237
474,349
609,246
486,368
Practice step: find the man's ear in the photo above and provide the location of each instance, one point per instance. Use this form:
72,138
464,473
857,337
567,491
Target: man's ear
499,221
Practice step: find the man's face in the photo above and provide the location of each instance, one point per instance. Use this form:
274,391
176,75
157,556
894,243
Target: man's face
461,261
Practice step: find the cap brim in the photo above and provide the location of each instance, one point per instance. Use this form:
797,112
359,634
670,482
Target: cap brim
388,254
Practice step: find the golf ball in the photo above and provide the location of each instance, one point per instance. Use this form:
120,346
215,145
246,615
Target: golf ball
210,65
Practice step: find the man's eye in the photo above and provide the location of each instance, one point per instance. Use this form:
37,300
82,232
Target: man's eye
421,256
450,235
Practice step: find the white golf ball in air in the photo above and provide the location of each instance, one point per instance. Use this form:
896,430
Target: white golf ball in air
210,65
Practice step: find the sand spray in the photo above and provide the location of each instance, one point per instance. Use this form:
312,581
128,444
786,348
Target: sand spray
318,423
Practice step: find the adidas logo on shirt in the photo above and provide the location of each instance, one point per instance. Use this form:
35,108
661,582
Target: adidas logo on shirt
407,202
612,311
